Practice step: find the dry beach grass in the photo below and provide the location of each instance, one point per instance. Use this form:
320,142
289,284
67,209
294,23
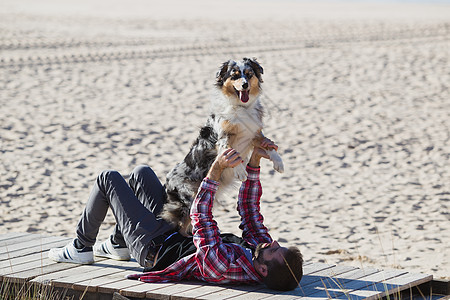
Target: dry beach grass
357,97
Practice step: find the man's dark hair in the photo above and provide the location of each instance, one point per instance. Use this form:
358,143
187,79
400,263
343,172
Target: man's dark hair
285,276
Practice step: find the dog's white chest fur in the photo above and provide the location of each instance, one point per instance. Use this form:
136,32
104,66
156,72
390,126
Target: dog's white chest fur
247,124
247,121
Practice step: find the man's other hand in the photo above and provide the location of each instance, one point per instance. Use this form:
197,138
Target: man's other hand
229,158
259,151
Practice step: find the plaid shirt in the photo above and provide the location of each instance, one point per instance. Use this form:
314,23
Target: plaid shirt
215,261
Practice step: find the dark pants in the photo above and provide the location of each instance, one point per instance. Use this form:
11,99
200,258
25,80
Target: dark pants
135,207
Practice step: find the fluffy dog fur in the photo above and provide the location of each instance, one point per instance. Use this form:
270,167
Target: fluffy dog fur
235,122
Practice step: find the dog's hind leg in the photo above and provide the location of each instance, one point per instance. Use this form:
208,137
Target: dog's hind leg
276,160
240,172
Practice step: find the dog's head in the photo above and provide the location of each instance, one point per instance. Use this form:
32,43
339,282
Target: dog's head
240,81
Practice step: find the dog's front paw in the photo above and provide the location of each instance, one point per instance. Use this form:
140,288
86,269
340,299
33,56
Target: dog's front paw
276,160
240,172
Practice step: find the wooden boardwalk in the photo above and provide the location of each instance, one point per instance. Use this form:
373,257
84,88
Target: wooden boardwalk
23,259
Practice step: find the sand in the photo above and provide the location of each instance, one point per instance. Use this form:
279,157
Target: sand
356,96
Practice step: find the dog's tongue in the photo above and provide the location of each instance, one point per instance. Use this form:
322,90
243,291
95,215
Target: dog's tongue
244,96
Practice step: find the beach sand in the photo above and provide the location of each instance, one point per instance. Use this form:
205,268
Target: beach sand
356,96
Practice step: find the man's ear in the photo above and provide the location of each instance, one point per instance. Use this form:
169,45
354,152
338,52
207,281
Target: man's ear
262,269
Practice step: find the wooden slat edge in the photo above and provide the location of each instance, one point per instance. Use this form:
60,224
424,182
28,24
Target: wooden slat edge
11,236
398,289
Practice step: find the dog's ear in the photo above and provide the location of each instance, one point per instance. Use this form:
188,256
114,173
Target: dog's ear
256,68
222,73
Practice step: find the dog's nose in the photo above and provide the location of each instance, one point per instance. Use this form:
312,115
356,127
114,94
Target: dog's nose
245,85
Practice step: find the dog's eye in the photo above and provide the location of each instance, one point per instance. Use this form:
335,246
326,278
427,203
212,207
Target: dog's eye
249,73
235,75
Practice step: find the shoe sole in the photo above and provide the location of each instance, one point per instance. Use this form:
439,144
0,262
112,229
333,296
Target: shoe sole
74,262
59,259
100,252
106,255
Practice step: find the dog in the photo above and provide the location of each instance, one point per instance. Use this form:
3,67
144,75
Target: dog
235,122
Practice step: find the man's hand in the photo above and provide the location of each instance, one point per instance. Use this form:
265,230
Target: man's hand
229,158
259,152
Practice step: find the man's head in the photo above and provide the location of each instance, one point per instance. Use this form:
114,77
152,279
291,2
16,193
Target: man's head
280,267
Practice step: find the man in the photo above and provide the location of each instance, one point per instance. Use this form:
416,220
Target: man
167,255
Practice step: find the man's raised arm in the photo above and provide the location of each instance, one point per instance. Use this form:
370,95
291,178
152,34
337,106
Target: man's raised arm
216,261
254,231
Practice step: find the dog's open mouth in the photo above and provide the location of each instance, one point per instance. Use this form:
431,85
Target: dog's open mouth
243,95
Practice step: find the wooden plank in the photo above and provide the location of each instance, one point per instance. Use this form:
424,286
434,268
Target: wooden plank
115,287
49,277
410,280
336,286
31,274
230,292
257,294
390,286
29,265
140,291
315,267
22,272
325,286
21,242
69,281
167,292
74,274
333,272
121,265
318,297
341,288
217,292
35,245
11,236
103,268
91,285
309,282
316,270
27,261
369,280
20,260
265,292
226,292
197,292
24,241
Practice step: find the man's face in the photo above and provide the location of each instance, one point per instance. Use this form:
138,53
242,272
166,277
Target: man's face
268,252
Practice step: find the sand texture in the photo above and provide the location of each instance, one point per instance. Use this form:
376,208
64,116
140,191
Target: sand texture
356,96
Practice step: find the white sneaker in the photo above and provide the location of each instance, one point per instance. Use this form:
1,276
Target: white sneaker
108,250
72,255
